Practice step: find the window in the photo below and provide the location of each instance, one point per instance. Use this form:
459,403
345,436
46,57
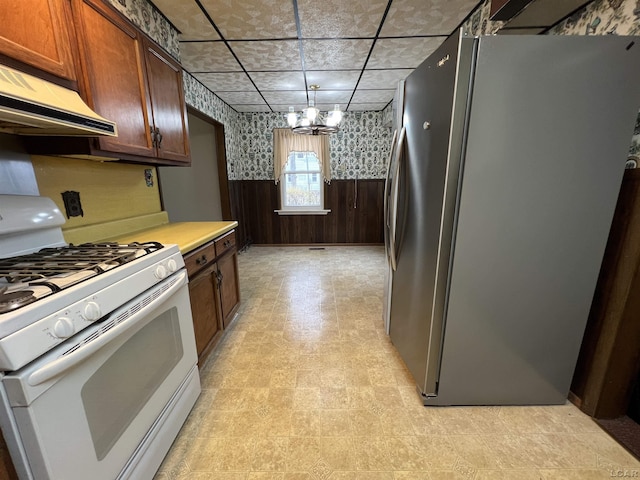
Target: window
301,185
301,166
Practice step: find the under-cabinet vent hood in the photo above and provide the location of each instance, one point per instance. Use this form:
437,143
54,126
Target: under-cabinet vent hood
32,106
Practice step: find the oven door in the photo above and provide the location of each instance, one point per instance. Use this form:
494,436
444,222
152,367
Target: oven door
84,409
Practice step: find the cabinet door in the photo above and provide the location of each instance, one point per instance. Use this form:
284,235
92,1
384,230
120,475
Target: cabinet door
203,309
114,76
37,32
229,291
168,105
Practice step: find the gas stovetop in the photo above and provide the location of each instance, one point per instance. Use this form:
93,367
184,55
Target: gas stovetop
51,291
27,278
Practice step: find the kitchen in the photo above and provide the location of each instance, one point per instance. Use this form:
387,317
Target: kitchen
114,185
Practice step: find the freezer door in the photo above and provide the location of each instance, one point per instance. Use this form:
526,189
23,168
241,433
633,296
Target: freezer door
435,109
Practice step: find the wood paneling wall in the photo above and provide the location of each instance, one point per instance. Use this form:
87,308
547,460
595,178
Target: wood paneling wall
354,218
609,358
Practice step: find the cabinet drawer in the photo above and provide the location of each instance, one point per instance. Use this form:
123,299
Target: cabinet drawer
200,258
225,243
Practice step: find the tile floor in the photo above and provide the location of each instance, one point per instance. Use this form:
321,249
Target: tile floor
306,385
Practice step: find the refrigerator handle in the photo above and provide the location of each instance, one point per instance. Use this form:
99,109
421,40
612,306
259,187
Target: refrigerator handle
387,180
394,204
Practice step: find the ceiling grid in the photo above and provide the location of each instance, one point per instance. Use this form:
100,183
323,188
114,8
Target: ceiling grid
262,55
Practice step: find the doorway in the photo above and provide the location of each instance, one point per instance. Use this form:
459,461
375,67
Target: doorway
198,193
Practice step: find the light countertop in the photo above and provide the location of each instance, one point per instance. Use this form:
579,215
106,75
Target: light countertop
187,235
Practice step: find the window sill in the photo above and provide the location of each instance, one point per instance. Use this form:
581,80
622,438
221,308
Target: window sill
302,212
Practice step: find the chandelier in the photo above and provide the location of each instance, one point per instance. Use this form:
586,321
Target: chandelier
311,121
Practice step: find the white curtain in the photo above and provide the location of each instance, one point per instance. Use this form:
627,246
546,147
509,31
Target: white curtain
285,142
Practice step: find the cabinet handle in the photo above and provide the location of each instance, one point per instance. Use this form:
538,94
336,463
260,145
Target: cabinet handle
154,138
202,260
218,274
159,137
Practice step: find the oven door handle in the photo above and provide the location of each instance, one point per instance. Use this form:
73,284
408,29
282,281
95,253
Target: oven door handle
64,363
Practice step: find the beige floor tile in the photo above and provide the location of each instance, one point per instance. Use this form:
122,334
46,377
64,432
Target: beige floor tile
232,453
270,454
372,453
584,474
304,453
335,423
411,476
365,422
521,474
306,423
338,452
202,455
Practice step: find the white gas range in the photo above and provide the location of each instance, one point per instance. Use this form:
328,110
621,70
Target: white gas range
96,346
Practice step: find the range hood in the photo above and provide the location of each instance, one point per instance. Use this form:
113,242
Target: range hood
32,106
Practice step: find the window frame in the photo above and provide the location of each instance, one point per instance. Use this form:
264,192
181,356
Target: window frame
283,183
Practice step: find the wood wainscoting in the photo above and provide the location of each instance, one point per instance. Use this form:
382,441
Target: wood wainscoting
356,214
609,358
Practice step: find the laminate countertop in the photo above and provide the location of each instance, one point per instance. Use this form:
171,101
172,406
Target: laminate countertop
187,235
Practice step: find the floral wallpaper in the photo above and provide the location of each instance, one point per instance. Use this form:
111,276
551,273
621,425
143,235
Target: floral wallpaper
358,150
151,22
601,17
202,99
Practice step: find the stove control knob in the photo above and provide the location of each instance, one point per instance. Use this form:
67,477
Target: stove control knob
91,312
172,266
161,272
63,328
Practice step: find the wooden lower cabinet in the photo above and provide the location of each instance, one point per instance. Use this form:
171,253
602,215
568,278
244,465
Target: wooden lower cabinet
206,324
213,290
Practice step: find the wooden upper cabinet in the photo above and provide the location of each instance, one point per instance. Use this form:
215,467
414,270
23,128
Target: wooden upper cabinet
38,33
114,76
167,104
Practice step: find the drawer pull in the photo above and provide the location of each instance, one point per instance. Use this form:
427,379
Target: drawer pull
202,260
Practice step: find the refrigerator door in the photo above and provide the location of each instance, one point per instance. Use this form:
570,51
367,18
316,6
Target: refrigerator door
549,130
427,175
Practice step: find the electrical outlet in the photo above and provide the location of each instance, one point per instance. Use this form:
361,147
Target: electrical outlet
72,205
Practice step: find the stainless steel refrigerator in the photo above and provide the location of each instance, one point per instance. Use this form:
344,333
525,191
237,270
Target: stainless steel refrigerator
500,199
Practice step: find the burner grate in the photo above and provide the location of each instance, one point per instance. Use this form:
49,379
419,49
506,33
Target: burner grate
75,262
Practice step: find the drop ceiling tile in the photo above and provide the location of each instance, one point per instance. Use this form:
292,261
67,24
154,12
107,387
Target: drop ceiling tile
340,18
207,57
283,108
230,82
372,96
268,55
367,107
333,79
402,52
252,108
325,107
425,17
372,79
241,98
335,54
294,97
332,97
187,17
278,80
252,20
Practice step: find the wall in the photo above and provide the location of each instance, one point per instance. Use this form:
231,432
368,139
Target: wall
355,217
359,149
109,191
193,194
